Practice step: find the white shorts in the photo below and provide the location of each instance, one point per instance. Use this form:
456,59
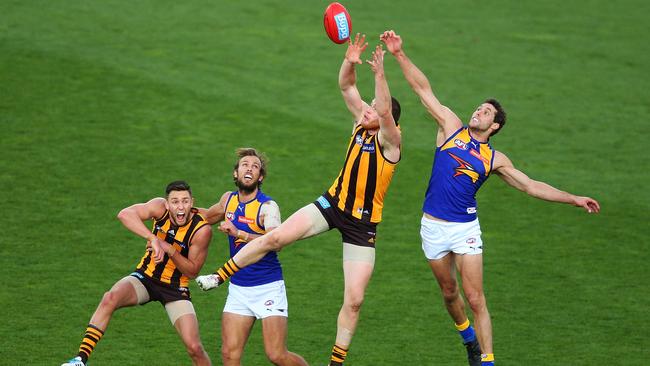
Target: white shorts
441,237
259,301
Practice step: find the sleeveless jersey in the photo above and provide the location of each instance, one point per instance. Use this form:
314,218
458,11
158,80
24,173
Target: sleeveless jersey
460,167
181,238
361,185
246,217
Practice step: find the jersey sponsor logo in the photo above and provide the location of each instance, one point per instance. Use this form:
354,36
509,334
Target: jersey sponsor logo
460,144
471,210
360,210
322,201
245,220
464,168
369,148
478,155
230,215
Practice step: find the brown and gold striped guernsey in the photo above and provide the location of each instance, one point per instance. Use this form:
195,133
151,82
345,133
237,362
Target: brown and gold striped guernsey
180,237
362,183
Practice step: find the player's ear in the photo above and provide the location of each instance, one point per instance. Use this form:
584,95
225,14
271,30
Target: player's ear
260,179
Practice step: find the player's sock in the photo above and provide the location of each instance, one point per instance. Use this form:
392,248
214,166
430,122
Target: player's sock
228,269
338,356
487,359
90,340
466,331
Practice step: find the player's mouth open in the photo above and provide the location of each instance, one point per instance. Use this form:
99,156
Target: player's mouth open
180,216
248,176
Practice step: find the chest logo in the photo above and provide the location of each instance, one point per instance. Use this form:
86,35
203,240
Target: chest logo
245,220
230,215
464,168
460,144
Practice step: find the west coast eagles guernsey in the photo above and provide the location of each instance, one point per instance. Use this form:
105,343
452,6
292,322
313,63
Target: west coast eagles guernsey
180,237
460,167
360,188
246,217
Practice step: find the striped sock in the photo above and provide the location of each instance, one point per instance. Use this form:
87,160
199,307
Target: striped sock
227,270
487,359
338,356
92,336
466,331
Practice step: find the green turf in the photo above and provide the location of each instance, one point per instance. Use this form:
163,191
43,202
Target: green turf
103,103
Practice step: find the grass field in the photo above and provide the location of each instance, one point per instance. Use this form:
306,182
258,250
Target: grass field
103,103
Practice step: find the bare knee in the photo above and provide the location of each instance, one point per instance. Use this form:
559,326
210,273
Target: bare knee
195,350
109,301
449,292
354,302
230,353
272,241
476,301
276,356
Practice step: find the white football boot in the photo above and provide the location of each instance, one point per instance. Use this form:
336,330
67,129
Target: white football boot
76,361
208,282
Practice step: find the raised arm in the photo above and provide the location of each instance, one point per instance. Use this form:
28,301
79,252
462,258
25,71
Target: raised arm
446,118
133,217
348,77
504,168
389,135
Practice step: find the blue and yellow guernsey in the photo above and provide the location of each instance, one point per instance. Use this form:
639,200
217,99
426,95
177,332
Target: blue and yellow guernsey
460,167
246,217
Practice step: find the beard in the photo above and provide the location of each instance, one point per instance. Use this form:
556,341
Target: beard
247,188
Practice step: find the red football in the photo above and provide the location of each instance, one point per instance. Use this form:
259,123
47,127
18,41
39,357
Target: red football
338,23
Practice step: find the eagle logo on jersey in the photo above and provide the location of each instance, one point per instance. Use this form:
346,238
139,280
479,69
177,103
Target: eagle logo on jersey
464,168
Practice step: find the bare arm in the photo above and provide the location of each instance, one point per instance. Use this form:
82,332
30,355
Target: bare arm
389,135
191,265
504,168
216,212
133,217
348,77
446,119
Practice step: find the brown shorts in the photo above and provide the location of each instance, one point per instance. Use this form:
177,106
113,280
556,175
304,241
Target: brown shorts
353,230
161,292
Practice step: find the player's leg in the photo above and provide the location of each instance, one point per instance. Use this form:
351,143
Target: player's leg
444,270
358,264
441,247
471,271
274,330
235,329
306,222
128,291
181,314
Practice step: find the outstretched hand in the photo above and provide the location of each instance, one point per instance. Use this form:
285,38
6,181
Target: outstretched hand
356,48
392,41
588,203
377,62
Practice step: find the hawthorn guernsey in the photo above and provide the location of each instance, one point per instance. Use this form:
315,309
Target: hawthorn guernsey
338,24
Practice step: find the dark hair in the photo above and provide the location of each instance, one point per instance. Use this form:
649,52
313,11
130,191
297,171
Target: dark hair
178,185
249,151
500,117
395,109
